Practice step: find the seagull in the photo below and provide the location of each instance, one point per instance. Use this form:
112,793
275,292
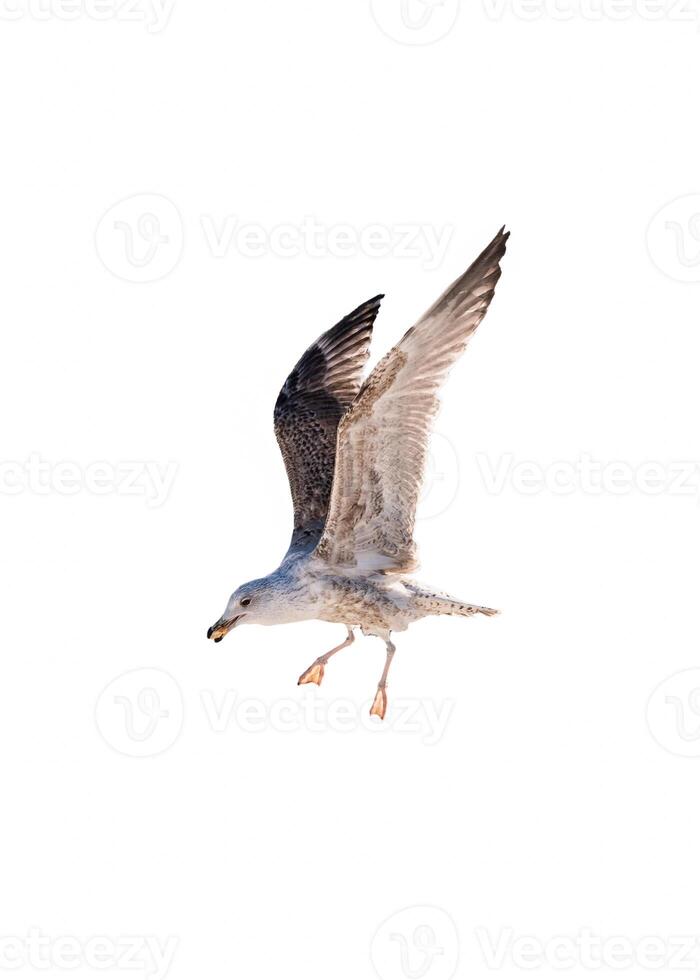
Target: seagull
355,456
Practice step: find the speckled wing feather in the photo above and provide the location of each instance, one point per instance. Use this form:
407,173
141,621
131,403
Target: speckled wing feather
383,438
310,405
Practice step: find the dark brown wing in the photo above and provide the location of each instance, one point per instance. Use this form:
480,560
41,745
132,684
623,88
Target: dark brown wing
310,405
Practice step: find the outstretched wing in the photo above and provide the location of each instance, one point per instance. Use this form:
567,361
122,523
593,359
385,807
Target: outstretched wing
310,405
383,438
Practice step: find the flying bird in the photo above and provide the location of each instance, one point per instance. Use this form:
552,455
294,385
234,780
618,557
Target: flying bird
355,456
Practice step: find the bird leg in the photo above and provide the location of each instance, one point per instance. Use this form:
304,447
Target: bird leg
314,674
380,701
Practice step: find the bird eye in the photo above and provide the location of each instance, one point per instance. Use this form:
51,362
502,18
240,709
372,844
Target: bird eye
245,602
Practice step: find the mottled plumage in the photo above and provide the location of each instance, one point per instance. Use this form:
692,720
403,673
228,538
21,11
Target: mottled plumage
320,389
355,457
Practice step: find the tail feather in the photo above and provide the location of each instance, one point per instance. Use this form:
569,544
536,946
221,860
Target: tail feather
467,610
443,604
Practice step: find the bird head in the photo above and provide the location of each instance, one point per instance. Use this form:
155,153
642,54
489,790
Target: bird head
252,602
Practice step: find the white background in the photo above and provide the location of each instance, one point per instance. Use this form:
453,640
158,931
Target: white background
554,799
